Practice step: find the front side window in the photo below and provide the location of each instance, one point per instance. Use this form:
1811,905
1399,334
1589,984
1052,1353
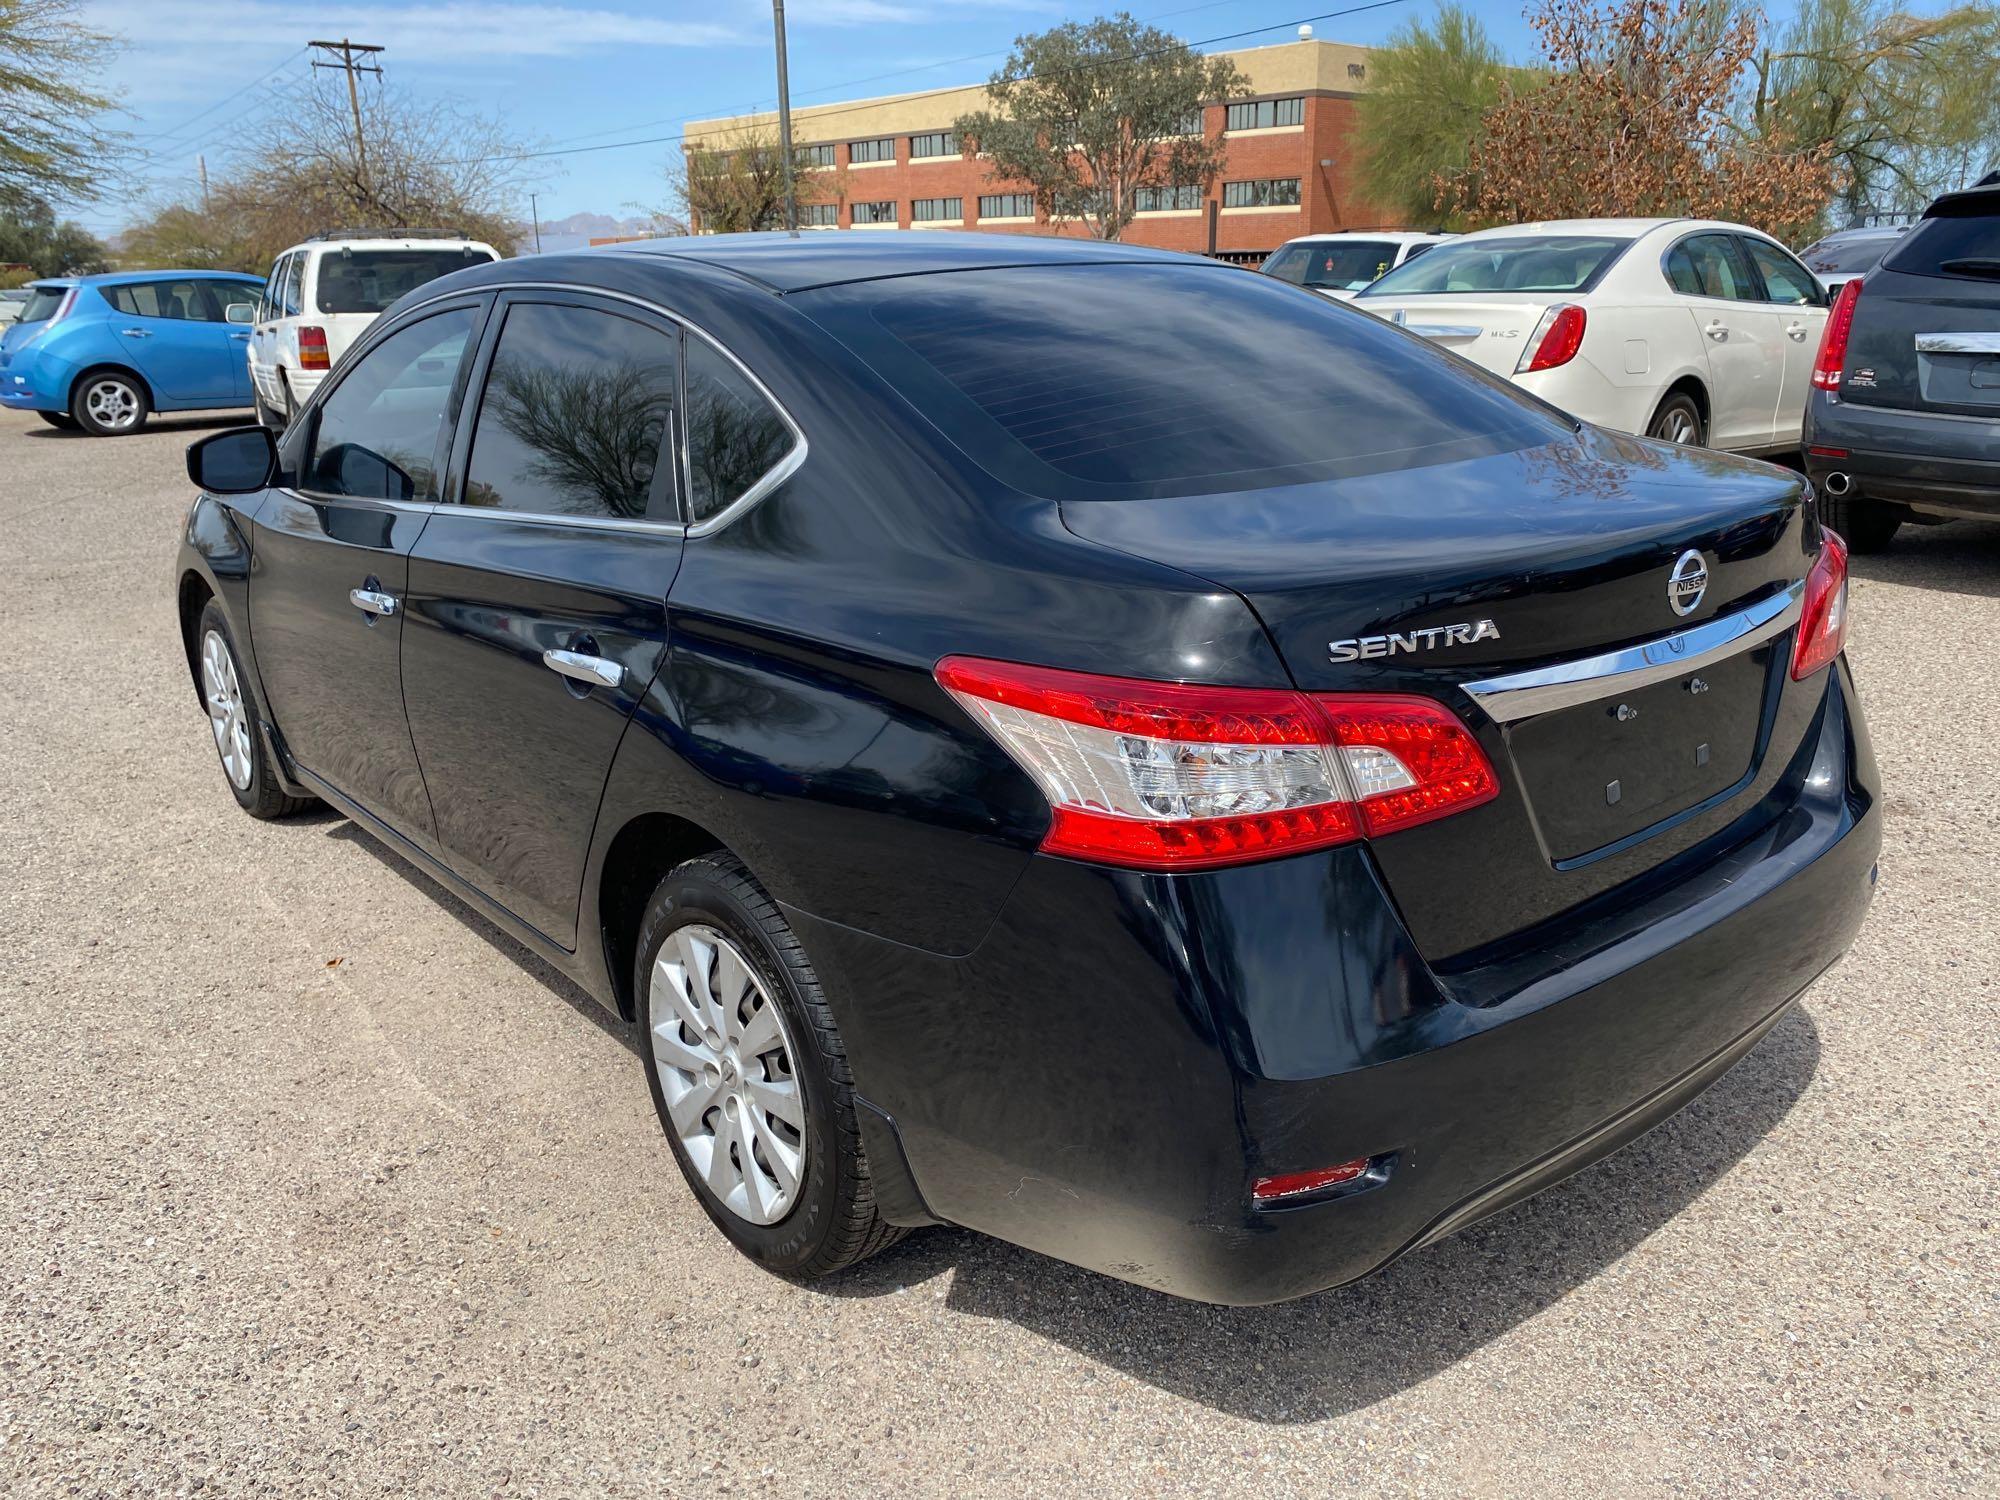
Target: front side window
860,153
1512,263
376,435
267,305
367,281
176,301
1267,114
1154,200
1785,280
577,405
1262,192
875,213
1007,206
734,435
230,294
937,210
937,143
1339,265
1711,265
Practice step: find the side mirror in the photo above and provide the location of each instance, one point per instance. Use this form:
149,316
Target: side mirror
240,461
240,312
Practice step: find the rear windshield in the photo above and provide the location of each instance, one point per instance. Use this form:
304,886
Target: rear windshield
367,281
1962,244
1517,263
42,303
1114,382
1344,265
1837,256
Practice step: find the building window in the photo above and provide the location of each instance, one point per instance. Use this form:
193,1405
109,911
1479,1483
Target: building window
860,153
1155,200
816,156
1192,124
1007,206
1264,192
1266,113
883,213
819,215
938,143
932,210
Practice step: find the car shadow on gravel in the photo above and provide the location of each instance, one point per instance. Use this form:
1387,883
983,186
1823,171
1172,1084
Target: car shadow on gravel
1960,557
1339,1351
193,422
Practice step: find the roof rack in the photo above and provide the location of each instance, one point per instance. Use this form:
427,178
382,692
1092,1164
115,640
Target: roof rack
391,233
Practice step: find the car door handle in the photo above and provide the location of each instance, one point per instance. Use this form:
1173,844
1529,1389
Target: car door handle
1796,331
241,338
579,667
1717,331
135,333
372,601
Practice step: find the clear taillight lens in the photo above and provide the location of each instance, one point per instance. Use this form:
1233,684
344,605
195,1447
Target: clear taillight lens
1167,776
1823,620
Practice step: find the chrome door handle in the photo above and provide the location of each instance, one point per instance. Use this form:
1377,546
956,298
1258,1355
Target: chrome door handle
578,667
135,333
1796,331
1717,331
370,602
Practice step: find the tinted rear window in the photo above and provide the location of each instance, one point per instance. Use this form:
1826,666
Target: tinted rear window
1838,256
42,303
1964,245
1130,381
367,281
1517,263
1344,265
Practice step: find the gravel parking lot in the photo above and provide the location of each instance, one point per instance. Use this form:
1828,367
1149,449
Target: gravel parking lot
317,1184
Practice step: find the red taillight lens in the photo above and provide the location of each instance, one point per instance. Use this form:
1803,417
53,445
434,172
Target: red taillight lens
312,349
63,307
1833,342
1167,776
1266,1190
1823,620
1555,340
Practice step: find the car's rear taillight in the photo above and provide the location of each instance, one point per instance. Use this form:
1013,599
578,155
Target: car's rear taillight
1833,339
1823,619
1172,776
1555,340
62,308
312,348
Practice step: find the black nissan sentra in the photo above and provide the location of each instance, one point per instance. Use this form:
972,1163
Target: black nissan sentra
1052,737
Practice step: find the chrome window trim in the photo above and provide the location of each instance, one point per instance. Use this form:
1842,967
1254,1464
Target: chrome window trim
771,478
1978,342
1521,695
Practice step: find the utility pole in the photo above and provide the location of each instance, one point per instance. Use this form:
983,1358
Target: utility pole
350,67
785,119
201,165
535,213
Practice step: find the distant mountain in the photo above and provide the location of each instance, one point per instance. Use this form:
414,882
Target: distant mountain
577,230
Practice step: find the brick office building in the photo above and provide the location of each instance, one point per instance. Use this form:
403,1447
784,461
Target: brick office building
893,163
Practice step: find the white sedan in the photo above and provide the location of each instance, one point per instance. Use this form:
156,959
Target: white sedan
1684,329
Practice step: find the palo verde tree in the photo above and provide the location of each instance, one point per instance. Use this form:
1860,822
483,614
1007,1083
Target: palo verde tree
52,149
1089,113
730,184
1638,116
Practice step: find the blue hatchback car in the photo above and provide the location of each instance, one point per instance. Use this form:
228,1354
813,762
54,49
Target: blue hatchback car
100,353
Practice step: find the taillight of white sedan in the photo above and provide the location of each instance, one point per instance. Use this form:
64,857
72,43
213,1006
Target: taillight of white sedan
1689,330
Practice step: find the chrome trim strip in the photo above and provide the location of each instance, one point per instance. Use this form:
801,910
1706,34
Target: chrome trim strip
772,477
1521,695
1958,343
1446,330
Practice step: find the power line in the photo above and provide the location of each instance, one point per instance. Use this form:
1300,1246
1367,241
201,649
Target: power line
352,69
288,59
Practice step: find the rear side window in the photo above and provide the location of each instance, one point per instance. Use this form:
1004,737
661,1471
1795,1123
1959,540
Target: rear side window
288,294
577,406
1711,265
1965,245
1129,381
1515,263
367,281
734,435
377,434
178,301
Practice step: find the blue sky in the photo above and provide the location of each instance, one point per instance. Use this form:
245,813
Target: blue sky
585,74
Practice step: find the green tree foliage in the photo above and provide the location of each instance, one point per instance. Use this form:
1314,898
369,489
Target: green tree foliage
1089,113
1909,104
179,235
1416,125
51,147
735,184
32,235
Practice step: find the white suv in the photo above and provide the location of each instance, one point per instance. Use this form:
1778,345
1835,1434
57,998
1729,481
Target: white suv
1341,264
321,297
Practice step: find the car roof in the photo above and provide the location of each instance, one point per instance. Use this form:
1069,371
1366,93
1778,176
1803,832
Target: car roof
783,262
389,242
1982,199
1398,235
120,278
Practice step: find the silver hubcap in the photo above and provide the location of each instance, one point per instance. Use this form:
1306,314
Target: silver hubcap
226,715
725,1063
1677,427
112,403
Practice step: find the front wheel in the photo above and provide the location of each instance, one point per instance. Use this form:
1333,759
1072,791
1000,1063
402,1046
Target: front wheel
1679,421
232,721
749,1075
109,403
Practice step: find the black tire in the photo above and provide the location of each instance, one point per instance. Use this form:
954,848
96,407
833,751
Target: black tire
59,419
1680,413
259,794
269,417
1865,525
831,1222
96,386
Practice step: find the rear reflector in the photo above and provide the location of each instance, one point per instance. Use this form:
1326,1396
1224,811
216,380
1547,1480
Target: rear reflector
312,348
1818,452
1298,1184
1823,618
1555,340
1170,776
1833,341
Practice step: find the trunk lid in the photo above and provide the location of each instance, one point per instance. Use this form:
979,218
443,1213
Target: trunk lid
1431,581
1490,329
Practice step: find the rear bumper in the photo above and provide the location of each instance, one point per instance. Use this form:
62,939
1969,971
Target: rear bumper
1103,1078
1930,461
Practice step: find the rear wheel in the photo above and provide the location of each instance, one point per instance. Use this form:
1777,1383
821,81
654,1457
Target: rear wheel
749,1075
1679,421
60,419
109,403
1865,525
